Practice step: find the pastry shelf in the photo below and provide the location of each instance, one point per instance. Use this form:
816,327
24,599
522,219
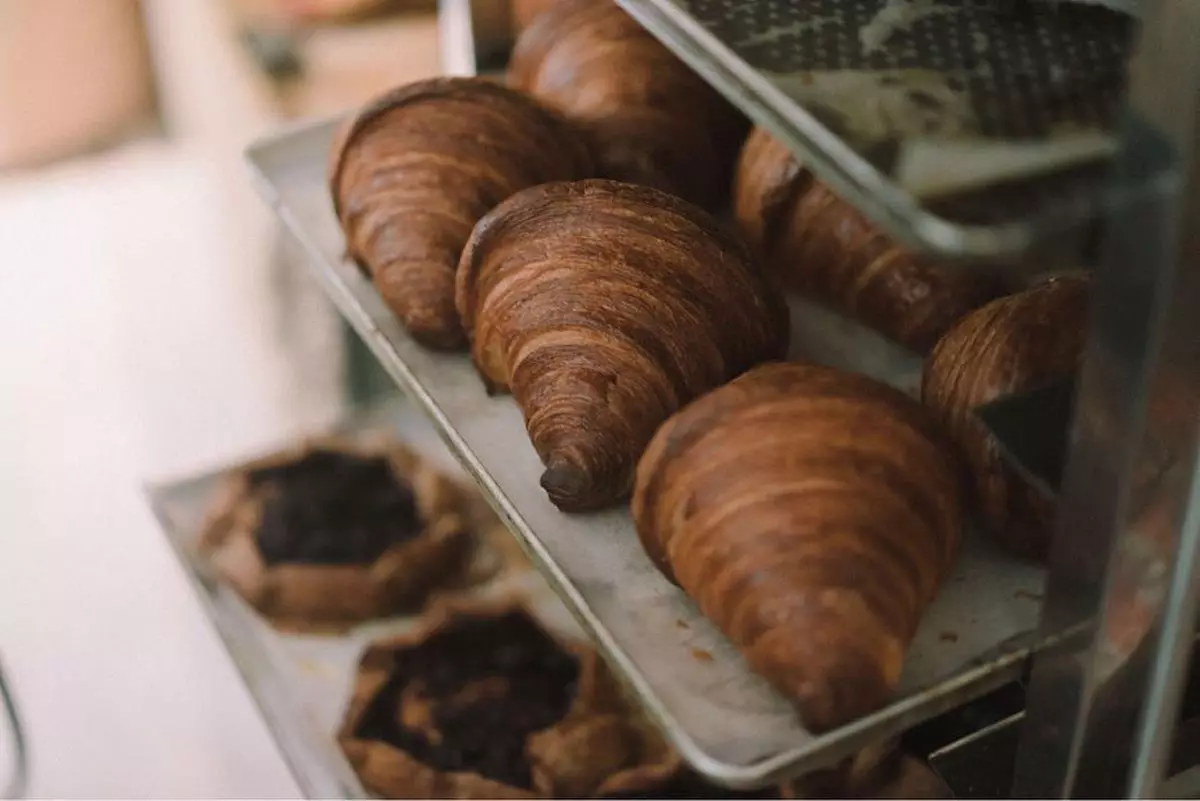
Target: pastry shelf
726,722
976,131
301,683
301,708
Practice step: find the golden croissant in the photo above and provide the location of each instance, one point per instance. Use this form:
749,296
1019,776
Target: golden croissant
823,248
414,171
812,515
650,119
1012,345
604,307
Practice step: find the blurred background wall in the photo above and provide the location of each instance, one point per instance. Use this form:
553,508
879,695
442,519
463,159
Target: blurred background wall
152,324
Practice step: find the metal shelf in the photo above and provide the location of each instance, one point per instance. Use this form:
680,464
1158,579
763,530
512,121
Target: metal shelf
301,707
301,683
971,130
723,719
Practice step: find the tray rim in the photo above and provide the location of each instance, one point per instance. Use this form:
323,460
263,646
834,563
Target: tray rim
989,671
851,175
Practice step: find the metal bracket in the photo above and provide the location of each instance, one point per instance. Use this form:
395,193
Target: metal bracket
1124,569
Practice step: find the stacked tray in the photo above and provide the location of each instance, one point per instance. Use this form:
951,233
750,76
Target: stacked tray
726,722
975,130
302,682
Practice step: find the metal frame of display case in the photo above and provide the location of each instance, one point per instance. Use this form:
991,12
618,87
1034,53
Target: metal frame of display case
1125,567
1124,580
1099,705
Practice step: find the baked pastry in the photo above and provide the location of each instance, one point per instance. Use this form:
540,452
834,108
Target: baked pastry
482,702
1012,345
651,120
412,172
823,248
338,532
818,554
603,307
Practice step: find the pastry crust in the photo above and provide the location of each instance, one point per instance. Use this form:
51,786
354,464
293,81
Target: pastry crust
414,170
603,307
1010,346
823,248
649,118
601,745
316,598
817,552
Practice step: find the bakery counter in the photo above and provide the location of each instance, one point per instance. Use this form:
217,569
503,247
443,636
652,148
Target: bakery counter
724,719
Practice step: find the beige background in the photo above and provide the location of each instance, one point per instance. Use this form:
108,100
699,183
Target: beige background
145,333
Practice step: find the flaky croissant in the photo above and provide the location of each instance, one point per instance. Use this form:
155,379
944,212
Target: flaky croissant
651,119
604,307
414,171
811,514
1012,345
824,248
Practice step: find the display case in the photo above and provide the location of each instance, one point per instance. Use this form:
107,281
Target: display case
1053,137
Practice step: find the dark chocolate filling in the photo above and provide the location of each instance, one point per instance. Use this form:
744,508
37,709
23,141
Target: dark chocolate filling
484,733
333,508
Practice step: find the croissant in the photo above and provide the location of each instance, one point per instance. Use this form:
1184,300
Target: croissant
811,514
1009,346
824,248
604,307
412,173
651,119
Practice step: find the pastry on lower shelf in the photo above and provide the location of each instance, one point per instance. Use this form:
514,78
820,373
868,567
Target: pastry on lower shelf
827,250
650,118
412,172
812,514
1009,346
339,532
603,307
481,701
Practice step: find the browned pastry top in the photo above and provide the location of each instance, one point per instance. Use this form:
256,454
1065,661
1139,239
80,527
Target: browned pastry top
811,513
414,170
604,307
823,247
479,701
338,531
651,119
1012,345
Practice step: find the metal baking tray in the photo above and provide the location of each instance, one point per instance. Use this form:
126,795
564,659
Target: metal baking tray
977,131
302,683
974,130
725,721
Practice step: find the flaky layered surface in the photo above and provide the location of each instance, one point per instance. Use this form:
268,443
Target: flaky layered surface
603,307
823,248
1009,346
812,514
649,118
413,172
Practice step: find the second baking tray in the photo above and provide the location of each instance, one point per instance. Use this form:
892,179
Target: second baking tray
725,721
302,682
